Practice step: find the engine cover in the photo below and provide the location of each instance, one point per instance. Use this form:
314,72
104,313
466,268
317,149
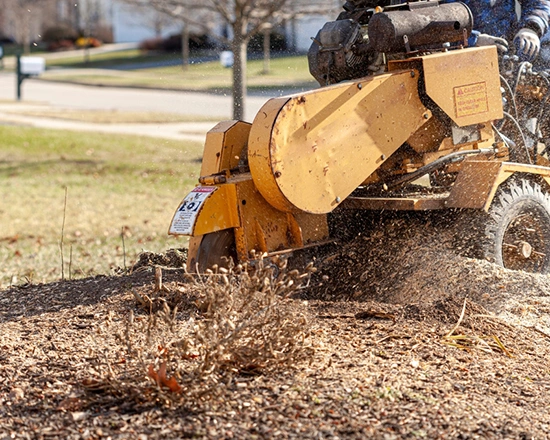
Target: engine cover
333,56
425,25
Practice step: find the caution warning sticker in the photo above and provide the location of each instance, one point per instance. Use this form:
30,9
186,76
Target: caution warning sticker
183,222
471,99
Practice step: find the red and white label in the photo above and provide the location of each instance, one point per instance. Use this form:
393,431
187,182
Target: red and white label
185,217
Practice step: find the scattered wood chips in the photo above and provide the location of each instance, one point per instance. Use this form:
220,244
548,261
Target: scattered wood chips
410,340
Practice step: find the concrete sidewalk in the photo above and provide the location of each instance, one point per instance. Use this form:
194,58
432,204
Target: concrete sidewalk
14,114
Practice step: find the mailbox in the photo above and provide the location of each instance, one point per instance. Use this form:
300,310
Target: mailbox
226,58
32,65
27,67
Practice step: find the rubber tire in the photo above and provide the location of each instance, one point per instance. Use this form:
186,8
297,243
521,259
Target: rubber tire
522,208
216,248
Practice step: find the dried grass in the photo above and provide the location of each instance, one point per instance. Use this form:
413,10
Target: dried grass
488,344
243,321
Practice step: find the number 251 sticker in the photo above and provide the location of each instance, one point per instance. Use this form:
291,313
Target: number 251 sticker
184,219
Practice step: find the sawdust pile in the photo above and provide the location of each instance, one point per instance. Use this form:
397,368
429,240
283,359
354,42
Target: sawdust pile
415,259
171,258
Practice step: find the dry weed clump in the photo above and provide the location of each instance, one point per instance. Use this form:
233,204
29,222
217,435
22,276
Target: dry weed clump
243,321
487,343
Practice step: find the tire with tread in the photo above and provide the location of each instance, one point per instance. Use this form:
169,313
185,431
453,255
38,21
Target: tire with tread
516,230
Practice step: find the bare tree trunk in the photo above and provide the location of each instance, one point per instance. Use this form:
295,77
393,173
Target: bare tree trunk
267,49
158,29
26,34
185,46
293,33
239,75
87,34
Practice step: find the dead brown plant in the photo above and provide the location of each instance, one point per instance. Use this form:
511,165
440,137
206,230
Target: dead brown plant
488,344
234,321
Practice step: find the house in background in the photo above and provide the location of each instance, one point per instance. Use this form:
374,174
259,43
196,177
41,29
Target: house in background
29,21
133,24
117,22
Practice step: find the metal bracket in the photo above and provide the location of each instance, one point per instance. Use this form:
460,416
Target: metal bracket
407,45
317,42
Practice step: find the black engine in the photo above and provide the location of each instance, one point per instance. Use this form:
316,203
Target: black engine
353,45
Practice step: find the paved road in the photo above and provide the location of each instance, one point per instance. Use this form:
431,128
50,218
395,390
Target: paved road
124,99
43,94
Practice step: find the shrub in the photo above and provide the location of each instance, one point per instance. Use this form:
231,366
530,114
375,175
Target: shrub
59,33
200,334
61,45
277,42
151,44
172,43
84,42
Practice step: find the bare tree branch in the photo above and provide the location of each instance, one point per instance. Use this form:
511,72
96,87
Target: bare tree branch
245,18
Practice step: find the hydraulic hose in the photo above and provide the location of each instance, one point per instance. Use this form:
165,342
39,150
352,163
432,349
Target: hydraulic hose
435,165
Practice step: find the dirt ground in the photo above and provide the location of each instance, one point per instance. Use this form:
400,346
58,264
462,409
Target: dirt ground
411,340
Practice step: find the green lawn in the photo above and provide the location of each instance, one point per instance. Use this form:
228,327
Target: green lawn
108,59
114,184
284,72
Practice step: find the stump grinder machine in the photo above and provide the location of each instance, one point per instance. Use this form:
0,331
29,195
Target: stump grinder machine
408,117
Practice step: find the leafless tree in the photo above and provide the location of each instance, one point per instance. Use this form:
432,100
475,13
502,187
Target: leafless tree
189,13
23,20
243,19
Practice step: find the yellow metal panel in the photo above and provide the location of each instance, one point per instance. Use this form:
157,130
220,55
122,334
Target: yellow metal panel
258,226
223,146
474,184
478,181
314,227
295,232
266,229
312,150
465,84
211,157
240,244
259,157
218,212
